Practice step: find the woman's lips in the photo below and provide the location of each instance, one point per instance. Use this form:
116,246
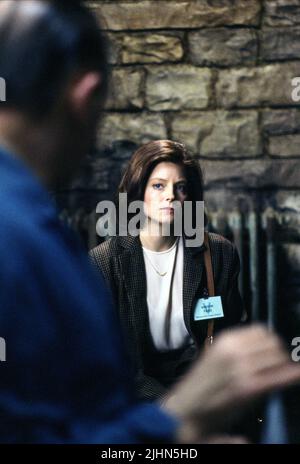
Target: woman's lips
168,210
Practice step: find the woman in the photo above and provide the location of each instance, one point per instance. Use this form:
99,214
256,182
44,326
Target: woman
156,279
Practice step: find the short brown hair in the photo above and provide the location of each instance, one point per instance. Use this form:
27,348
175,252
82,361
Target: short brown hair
148,156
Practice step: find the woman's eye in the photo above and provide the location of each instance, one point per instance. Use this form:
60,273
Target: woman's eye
157,186
181,188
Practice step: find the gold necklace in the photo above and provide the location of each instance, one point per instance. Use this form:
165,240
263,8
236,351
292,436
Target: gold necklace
161,274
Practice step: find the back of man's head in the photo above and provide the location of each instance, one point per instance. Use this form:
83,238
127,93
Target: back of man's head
42,44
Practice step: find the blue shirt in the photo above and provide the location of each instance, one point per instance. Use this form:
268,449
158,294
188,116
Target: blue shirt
66,378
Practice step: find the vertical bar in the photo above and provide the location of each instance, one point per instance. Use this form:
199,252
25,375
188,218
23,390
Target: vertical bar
271,271
254,265
275,430
214,220
222,224
236,225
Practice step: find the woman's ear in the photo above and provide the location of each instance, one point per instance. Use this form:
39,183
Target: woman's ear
83,95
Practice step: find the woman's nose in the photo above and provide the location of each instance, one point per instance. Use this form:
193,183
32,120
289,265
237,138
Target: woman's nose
170,193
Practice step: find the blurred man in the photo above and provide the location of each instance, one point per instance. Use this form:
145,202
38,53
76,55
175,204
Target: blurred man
66,378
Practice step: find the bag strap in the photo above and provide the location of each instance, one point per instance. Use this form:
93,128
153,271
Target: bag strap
211,287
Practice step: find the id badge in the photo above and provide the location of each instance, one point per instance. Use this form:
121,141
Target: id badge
208,308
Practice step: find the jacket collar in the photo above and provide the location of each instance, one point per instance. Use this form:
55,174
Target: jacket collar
134,274
130,243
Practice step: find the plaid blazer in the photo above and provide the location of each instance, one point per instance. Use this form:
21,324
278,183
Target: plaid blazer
120,259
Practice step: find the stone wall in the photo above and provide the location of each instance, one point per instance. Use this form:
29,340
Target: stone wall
216,75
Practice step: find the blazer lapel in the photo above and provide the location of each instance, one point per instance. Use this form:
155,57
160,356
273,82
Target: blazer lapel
192,274
133,268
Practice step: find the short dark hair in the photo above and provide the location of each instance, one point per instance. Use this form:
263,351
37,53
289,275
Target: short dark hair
147,157
35,61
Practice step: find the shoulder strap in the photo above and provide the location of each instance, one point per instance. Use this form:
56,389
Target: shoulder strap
211,287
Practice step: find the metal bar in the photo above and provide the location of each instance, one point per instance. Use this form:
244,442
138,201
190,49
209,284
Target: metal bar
254,266
275,429
236,225
271,270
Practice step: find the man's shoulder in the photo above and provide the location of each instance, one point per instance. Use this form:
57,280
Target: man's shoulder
32,238
17,226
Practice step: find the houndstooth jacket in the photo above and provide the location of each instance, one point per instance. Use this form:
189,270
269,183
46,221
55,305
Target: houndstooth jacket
120,259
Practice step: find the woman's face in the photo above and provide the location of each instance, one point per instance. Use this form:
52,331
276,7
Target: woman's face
166,183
